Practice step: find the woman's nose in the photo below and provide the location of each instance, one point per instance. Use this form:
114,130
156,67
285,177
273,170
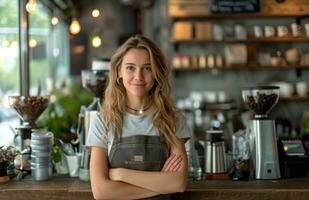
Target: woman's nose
139,74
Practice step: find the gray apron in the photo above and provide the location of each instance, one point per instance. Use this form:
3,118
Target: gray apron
139,152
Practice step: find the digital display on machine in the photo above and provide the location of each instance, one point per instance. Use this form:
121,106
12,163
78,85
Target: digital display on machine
293,147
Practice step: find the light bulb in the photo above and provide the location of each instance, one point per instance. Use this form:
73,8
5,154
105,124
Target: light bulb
95,13
96,41
31,6
32,43
54,20
75,27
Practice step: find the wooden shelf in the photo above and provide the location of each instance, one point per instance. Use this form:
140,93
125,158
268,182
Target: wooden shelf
237,16
295,98
243,67
249,40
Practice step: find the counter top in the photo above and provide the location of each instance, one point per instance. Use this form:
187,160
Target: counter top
71,188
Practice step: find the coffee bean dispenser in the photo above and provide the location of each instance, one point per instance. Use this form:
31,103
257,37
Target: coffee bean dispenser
28,108
263,141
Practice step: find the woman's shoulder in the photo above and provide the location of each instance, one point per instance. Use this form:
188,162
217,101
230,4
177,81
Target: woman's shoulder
97,119
180,115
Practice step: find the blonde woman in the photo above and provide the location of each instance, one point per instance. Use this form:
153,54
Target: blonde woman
137,141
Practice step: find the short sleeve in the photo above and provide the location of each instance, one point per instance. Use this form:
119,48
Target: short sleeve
182,130
97,135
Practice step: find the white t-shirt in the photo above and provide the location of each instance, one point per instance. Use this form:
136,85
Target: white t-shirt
132,125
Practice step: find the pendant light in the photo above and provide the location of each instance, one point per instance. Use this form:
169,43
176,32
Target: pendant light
31,6
54,20
75,26
96,41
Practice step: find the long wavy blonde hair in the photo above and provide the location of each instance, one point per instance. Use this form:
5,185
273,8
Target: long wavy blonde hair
165,117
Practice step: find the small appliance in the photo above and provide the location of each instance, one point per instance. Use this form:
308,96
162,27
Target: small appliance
215,153
94,80
28,108
293,157
263,141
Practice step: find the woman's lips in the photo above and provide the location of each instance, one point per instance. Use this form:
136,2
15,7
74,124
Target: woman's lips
138,85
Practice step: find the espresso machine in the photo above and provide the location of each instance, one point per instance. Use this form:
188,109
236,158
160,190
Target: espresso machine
94,81
28,108
263,141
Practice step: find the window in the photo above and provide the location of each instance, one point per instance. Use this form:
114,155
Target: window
61,51
43,52
9,67
40,48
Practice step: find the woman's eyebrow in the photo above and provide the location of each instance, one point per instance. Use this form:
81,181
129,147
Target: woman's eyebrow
129,63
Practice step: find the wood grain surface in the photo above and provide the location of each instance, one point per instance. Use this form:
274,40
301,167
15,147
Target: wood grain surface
60,188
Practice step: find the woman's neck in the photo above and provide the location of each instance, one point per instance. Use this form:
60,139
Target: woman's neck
138,105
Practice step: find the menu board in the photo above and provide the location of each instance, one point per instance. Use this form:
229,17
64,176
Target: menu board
234,6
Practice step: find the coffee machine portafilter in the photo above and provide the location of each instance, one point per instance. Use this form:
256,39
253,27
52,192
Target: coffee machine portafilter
263,141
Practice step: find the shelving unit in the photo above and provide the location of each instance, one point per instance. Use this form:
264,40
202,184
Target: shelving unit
242,67
295,98
289,39
251,40
236,16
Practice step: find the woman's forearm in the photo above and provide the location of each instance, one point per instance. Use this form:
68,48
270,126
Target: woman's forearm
172,181
120,190
104,188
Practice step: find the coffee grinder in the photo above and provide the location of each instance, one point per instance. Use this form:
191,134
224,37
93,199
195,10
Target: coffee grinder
94,81
263,141
28,108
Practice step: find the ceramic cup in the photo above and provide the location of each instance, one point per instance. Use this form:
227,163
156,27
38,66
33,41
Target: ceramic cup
269,31
282,31
258,32
307,29
302,88
296,29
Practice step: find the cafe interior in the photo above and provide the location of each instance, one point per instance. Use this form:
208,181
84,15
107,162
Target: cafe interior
239,74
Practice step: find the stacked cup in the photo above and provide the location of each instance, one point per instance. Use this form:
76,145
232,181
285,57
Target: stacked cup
41,158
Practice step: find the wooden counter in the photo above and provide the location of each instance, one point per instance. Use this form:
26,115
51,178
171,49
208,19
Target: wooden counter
71,188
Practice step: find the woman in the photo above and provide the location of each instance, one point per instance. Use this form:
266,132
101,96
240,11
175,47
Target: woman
137,141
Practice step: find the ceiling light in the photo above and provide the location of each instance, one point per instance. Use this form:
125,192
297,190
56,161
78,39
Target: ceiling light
96,41
54,20
95,13
75,27
31,6
32,43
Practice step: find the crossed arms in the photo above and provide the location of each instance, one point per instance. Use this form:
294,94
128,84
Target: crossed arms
121,183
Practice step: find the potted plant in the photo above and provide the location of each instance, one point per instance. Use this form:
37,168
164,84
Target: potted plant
7,156
61,116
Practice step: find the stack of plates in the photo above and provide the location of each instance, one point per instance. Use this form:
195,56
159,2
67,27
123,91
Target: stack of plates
41,155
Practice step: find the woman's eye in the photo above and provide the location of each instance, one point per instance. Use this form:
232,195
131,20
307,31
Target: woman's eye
147,68
130,68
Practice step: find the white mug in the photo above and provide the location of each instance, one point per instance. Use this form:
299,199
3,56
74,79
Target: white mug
302,88
282,31
307,29
269,31
258,32
73,162
296,29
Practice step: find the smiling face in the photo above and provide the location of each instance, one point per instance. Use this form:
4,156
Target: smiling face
136,73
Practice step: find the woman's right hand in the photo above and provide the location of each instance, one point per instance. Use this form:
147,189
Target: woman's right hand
173,163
